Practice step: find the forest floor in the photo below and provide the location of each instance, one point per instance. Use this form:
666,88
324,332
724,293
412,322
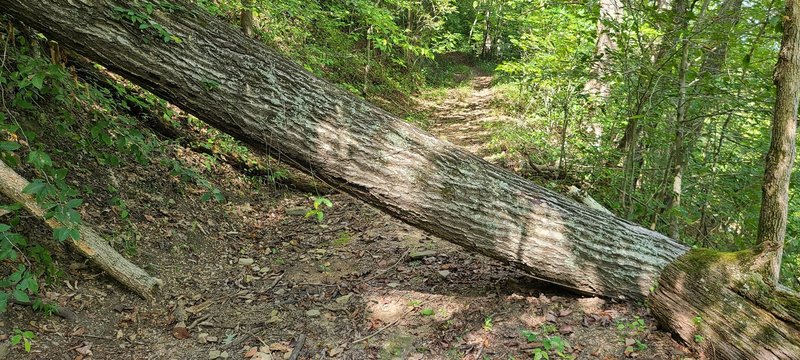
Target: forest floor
259,280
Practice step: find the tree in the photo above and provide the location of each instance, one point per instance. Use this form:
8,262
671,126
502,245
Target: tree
610,15
247,18
688,130
780,157
269,102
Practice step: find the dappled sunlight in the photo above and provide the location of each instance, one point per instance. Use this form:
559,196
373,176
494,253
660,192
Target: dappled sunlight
413,306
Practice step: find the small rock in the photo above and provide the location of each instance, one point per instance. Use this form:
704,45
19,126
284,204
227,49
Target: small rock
214,354
444,273
393,284
246,261
342,300
421,254
224,355
211,338
313,313
591,305
202,338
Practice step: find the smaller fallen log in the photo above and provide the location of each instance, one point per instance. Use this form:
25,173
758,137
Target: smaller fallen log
584,198
91,244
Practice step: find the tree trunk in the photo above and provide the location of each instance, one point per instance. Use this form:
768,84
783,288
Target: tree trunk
679,148
688,131
247,19
269,102
780,157
610,13
486,48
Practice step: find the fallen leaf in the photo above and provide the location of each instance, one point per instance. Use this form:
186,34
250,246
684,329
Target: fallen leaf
550,317
251,352
85,349
180,332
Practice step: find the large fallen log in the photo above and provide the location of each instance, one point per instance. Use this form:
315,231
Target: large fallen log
239,86
91,245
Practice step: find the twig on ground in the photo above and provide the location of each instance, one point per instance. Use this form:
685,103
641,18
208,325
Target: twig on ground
197,321
298,346
387,269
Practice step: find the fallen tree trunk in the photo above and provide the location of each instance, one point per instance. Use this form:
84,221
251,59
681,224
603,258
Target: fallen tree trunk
91,245
241,87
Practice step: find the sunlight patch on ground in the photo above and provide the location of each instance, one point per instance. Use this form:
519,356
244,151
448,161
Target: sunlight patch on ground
412,305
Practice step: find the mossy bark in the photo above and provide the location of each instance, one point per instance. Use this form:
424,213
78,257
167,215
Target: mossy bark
721,303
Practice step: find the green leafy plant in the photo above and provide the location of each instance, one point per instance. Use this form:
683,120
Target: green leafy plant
636,326
186,174
550,344
140,15
698,324
317,209
487,324
24,337
343,239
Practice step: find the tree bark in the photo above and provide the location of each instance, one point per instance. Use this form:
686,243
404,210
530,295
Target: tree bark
269,102
610,14
679,148
780,157
248,19
91,245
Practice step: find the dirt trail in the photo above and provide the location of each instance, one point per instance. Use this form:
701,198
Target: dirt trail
463,121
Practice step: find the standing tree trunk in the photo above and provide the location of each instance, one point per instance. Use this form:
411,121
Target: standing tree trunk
597,87
486,48
688,131
610,16
269,102
780,157
679,148
247,19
